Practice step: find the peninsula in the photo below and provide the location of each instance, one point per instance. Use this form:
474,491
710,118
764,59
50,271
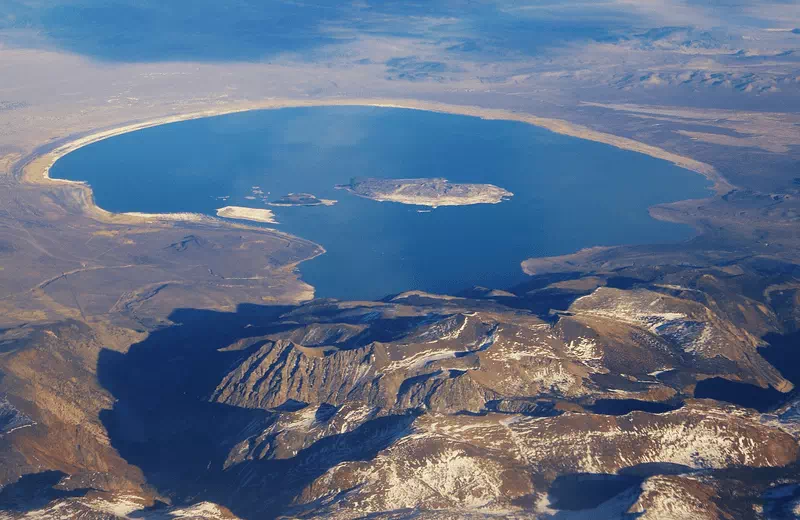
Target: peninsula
433,192
253,214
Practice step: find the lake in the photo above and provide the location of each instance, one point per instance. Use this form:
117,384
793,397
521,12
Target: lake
568,193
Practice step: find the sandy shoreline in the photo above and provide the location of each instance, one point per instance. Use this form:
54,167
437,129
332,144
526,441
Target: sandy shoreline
38,168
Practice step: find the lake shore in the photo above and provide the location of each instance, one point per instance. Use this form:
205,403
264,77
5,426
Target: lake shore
36,169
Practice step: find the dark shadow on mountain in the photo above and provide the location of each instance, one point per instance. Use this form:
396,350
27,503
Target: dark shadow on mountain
410,382
626,406
531,407
624,282
581,491
278,481
34,491
612,380
650,469
535,295
291,405
157,507
379,328
779,502
391,329
782,352
163,422
325,412
541,281
741,394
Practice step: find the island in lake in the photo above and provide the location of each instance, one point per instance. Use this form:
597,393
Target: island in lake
302,199
432,192
242,213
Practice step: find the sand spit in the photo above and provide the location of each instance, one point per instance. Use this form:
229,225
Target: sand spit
253,214
173,217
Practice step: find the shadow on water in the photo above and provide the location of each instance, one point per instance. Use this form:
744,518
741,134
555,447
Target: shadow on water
783,353
34,491
163,422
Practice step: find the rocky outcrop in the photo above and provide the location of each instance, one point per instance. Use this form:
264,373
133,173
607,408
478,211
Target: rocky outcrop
51,405
685,331
485,464
457,355
103,506
282,372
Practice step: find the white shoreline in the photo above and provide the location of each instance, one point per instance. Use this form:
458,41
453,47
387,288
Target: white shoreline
175,217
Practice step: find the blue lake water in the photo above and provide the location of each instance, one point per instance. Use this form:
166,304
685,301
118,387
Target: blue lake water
568,193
